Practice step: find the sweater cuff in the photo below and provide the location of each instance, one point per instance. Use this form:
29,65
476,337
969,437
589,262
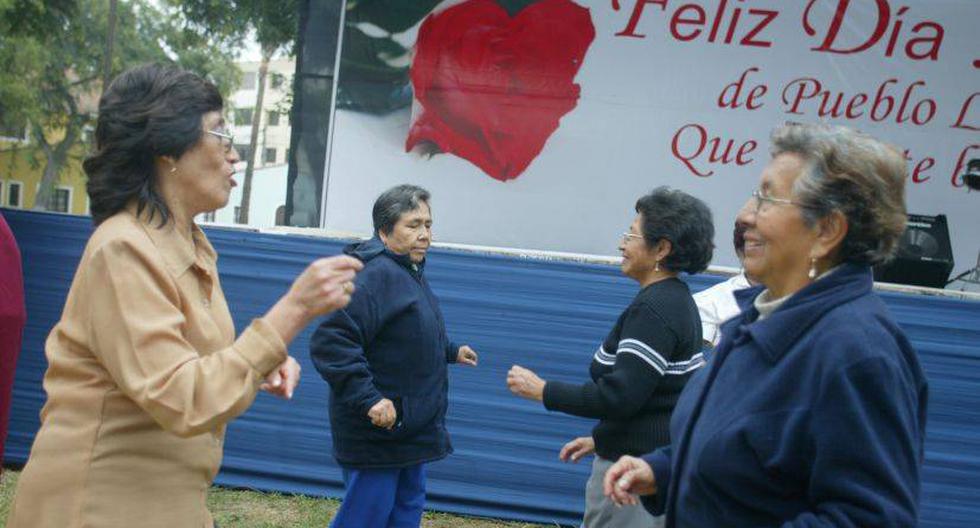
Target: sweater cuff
372,399
558,396
452,352
261,346
660,463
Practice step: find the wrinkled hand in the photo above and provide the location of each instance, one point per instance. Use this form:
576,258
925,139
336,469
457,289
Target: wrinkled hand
283,380
576,449
525,383
626,479
466,356
382,414
325,285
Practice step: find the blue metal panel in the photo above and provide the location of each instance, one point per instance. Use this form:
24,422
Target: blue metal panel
548,316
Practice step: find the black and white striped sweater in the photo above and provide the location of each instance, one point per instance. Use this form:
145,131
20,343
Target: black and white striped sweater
638,372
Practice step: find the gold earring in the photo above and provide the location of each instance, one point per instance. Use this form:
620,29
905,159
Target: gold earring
813,269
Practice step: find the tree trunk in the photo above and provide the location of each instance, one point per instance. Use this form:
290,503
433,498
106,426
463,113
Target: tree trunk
110,40
55,157
254,140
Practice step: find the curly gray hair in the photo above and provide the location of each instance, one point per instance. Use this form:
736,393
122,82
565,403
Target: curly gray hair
853,173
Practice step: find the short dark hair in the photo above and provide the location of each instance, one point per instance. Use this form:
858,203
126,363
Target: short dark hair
394,202
684,221
148,111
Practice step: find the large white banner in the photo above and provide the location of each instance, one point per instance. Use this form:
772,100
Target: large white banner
538,124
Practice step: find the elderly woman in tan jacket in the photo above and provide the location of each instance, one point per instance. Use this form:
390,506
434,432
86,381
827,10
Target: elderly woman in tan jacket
144,367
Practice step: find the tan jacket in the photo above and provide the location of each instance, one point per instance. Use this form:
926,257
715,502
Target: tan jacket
144,371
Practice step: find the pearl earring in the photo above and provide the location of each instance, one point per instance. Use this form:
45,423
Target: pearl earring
656,266
813,269
173,169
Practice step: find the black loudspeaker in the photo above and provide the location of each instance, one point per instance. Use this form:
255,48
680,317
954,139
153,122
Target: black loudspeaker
924,256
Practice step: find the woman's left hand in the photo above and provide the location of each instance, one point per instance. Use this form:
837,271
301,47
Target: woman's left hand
283,380
627,478
525,383
576,449
466,356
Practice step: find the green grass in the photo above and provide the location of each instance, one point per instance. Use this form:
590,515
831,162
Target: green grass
8,479
253,509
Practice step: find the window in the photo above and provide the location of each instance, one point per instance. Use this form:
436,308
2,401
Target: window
61,200
281,215
248,81
1,192
208,216
270,156
273,119
14,190
88,135
243,151
243,116
12,127
13,131
238,214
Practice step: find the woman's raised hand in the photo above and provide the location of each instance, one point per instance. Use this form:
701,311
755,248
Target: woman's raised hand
324,286
525,383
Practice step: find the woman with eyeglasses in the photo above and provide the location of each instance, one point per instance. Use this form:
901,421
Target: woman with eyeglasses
144,370
812,409
648,356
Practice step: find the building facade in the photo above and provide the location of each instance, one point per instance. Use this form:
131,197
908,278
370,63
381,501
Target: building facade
273,140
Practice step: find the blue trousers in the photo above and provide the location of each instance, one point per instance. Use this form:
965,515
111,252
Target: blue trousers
382,498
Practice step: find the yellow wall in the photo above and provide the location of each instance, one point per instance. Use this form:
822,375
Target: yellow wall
16,164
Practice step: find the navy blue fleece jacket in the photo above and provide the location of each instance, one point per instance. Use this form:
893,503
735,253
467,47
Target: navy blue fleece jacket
390,342
814,416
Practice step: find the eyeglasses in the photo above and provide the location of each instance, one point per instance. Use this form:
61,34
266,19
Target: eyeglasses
627,236
761,199
227,140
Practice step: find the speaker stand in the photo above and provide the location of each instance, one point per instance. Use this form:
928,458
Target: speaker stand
970,276
974,276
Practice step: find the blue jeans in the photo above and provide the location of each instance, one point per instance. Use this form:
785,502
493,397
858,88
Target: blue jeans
382,498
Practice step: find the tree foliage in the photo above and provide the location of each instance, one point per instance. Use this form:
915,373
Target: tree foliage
52,53
273,25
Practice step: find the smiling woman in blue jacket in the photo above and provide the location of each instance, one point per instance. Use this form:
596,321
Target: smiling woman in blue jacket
812,409
385,359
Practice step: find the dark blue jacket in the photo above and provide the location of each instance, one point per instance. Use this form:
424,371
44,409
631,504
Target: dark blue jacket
389,342
814,416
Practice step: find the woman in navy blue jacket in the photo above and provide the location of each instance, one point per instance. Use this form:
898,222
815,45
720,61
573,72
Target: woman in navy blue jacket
385,359
812,409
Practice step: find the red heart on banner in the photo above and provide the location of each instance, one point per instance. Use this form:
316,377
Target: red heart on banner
491,87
